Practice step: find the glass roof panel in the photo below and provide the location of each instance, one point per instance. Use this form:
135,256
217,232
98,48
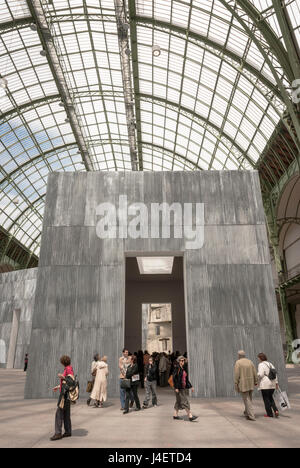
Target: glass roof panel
208,101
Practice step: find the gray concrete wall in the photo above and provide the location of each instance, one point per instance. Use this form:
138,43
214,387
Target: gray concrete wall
17,293
229,291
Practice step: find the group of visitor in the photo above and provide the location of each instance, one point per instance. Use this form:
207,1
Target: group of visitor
132,375
158,367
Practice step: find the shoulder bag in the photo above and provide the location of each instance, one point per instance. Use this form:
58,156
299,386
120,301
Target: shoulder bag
126,384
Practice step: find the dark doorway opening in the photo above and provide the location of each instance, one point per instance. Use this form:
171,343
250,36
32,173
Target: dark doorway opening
146,289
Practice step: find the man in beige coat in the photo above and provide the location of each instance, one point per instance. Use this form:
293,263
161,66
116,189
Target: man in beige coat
245,379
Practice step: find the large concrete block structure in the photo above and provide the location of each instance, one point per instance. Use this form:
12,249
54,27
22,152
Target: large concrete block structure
228,291
17,296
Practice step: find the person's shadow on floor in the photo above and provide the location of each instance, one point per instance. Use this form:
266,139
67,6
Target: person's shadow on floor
80,433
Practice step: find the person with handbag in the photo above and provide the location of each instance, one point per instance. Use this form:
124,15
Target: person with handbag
182,385
131,383
90,384
267,384
63,412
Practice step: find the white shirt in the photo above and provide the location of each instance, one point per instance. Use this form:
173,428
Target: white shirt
263,371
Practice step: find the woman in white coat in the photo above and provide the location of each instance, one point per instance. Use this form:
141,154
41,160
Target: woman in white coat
267,386
99,393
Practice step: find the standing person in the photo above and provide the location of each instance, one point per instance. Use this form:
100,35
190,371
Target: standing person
132,374
63,413
93,373
146,358
163,366
182,385
25,362
245,379
140,363
99,393
150,381
267,386
124,362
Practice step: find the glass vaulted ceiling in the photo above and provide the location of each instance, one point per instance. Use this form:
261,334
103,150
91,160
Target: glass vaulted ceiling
210,100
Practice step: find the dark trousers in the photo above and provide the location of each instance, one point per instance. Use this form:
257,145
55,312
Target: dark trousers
132,391
269,402
142,378
150,389
63,416
25,367
163,379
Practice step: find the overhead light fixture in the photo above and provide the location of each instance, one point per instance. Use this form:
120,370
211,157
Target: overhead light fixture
67,120
3,82
16,201
128,51
155,265
33,27
61,104
156,51
43,53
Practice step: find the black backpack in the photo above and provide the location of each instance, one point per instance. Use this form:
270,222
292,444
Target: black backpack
272,373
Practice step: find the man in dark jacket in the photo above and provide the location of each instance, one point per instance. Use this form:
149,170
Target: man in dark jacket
132,374
150,381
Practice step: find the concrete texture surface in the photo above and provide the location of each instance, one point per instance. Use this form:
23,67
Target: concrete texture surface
29,423
17,293
229,290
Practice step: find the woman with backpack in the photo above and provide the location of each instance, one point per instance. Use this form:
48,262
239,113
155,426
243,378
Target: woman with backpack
268,383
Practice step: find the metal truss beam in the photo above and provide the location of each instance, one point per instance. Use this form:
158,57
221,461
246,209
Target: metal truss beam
288,36
29,106
57,97
82,17
57,67
136,80
17,23
125,52
292,123
266,32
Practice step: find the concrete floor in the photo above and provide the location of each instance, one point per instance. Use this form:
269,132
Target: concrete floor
29,423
